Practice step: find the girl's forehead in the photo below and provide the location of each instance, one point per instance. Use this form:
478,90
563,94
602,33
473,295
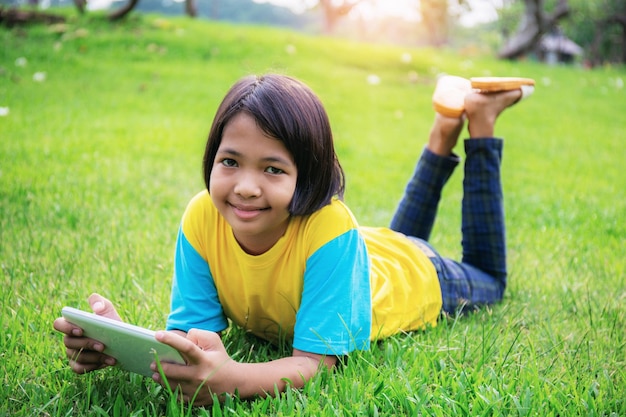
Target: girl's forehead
244,137
243,123
243,117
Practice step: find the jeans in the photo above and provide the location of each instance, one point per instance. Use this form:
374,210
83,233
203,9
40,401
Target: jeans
480,277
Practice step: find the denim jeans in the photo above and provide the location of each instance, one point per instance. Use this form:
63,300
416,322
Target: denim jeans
480,277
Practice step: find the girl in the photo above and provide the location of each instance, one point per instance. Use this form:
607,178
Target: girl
270,245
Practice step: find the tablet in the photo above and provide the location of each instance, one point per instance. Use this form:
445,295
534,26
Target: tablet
133,347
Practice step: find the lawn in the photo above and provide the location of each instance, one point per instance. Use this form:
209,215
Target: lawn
102,130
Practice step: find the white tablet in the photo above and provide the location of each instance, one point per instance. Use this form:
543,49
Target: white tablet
133,347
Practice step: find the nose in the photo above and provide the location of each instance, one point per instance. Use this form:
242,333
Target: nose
248,185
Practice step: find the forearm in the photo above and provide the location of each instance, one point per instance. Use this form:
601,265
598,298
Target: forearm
210,371
269,377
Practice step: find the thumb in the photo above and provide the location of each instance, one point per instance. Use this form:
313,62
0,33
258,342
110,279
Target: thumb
103,307
205,339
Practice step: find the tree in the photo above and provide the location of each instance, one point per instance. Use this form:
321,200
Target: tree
535,22
190,8
435,20
10,17
123,11
599,27
607,34
439,15
334,10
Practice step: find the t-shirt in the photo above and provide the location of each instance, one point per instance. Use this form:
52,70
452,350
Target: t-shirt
327,286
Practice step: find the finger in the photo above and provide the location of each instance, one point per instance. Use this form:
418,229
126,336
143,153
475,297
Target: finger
205,339
185,346
186,388
82,368
88,357
176,374
81,361
103,307
83,343
64,326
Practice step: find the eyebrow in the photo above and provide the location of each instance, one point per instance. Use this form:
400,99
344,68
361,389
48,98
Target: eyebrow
268,159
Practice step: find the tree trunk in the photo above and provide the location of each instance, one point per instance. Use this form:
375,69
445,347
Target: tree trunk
123,11
435,19
333,12
80,5
621,21
596,56
534,24
10,17
190,8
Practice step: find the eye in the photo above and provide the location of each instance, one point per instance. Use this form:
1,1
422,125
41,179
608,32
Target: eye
228,162
274,170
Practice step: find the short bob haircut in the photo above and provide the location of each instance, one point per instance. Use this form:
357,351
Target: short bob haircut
287,110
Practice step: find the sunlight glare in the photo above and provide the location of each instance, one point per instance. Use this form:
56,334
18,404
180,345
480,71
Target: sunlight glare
375,9
367,10
481,11
296,6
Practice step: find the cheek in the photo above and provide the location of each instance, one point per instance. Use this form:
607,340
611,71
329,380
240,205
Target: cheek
216,182
290,192
293,189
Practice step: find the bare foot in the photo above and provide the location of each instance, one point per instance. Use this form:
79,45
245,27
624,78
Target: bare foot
482,110
444,134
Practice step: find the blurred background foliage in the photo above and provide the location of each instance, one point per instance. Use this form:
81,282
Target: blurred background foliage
588,32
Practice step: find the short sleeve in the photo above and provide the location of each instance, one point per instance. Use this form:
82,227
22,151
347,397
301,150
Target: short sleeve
194,299
335,312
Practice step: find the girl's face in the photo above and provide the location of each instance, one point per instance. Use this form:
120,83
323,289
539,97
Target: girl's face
252,183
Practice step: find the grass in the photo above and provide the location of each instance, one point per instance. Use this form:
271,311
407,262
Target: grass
98,161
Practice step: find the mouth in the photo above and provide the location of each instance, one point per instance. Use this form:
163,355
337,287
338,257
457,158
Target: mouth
247,212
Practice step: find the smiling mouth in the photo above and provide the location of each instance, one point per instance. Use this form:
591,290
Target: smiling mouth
247,212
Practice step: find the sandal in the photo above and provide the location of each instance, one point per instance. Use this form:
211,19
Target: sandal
450,92
449,95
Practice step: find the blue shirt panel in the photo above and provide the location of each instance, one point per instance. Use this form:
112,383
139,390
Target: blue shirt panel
335,314
194,301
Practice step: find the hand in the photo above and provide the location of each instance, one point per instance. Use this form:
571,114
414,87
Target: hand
85,354
208,370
